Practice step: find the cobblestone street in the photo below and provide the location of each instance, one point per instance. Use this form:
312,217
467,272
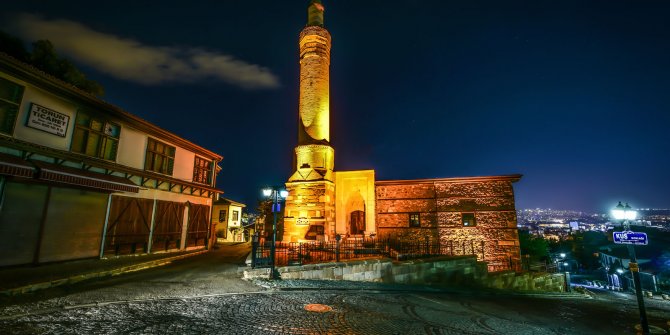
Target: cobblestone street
353,312
205,295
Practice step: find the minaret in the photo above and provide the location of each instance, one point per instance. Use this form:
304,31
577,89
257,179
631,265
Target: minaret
314,108
310,207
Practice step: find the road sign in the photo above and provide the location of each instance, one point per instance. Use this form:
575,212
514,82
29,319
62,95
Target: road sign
630,237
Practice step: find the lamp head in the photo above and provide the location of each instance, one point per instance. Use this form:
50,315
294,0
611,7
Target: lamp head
631,214
267,192
283,194
619,212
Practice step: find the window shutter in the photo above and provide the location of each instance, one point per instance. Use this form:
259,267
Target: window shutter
170,162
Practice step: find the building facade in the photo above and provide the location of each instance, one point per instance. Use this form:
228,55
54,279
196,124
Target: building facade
227,220
473,215
81,178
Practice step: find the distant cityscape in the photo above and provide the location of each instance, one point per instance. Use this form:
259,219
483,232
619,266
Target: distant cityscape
555,224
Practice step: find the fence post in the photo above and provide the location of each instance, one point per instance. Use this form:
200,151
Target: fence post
300,253
337,247
254,249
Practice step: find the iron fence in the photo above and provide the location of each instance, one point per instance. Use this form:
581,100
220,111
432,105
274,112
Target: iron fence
299,253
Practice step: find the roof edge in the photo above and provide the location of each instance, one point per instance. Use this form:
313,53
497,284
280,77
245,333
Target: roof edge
511,178
30,72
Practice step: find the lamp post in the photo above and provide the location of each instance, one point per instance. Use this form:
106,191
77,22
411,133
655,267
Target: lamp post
275,194
561,265
626,213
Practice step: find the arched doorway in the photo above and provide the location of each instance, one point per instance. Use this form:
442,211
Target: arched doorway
355,209
357,223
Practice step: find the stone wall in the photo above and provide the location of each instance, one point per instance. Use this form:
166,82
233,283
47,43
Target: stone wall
463,271
441,204
309,204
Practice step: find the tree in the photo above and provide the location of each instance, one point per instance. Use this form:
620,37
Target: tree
585,245
44,57
534,246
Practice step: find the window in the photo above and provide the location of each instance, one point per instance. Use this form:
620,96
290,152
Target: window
10,99
236,215
468,219
222,215
202,171
95,137
414,220
160,157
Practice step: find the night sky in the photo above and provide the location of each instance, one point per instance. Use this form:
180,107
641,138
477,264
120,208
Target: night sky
571,94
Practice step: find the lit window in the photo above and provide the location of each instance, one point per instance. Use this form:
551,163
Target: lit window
10,99
95,137
414,220
202,171
236,215
160,157
468,219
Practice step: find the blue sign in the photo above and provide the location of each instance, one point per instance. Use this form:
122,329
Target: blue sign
630,237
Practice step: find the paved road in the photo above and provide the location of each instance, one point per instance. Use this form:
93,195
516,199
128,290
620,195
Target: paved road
215,272
352,313
204,295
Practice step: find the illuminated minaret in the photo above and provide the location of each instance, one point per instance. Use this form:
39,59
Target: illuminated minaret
310,206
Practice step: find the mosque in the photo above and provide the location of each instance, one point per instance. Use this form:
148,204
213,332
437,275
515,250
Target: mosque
465,212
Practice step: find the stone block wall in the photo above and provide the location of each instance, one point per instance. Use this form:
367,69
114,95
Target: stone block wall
463,271
441,204
308,204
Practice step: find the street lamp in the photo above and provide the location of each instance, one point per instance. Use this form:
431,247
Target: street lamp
626,213
276,194
558,261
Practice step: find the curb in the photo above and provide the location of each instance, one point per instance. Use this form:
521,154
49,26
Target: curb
107,273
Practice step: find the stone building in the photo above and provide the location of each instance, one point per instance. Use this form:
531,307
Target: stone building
474,215
82,178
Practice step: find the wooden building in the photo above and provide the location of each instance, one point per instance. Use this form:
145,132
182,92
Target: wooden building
82,178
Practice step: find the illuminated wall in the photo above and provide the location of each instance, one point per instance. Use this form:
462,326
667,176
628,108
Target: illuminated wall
441,204
355,193
309,204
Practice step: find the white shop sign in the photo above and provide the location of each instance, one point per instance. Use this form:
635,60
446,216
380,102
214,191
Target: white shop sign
48,120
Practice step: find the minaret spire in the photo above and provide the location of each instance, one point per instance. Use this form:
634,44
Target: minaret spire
315,13
314,109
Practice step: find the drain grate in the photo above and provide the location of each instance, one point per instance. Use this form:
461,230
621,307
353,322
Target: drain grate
318,308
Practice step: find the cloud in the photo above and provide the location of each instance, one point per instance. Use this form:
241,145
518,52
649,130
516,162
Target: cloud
131,60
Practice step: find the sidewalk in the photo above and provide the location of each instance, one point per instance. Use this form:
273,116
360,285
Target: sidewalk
24,279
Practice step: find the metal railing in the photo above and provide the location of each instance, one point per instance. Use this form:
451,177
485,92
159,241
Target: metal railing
299,253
